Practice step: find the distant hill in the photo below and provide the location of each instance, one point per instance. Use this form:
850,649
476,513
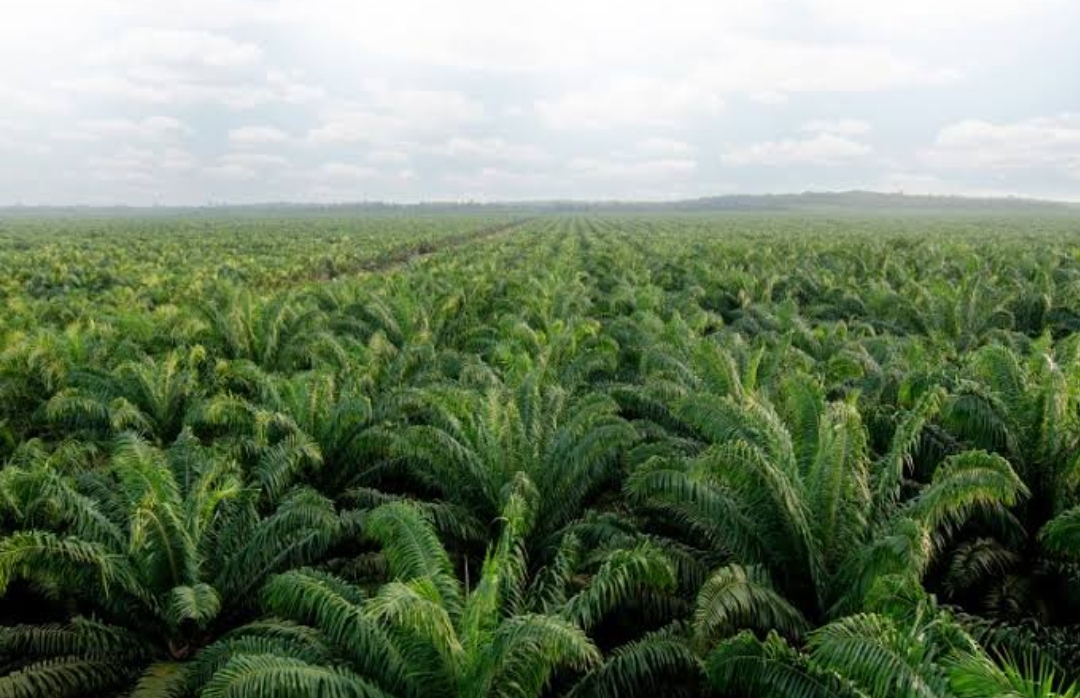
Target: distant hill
868,201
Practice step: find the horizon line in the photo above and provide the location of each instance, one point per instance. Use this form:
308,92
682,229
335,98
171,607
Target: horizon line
467,202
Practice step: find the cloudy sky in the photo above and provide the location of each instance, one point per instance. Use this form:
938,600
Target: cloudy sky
144,101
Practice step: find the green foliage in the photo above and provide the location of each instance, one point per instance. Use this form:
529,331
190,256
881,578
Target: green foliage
158,545
424,633
579,455
880,655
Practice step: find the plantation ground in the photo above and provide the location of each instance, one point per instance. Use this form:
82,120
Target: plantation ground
526,453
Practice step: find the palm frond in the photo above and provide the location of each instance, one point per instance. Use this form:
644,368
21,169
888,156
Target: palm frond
961,485
657,662
525,651
879,656
274,676
413,550
50,559
161,680
623,576
890,470
737,597
1062,533
772,668
977,675
64,677
333,607
198,604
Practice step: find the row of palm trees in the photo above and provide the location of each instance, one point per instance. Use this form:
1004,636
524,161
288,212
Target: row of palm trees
595,457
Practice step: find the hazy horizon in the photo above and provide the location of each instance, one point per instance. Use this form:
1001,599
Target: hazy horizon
327,101
959,200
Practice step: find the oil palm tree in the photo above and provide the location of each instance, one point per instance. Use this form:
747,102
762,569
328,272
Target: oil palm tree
149,559
808,518
151,397
320,425
1025,407
467,447
899,650
36,365
282,333
427,633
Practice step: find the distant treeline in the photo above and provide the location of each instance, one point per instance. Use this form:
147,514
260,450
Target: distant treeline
867,202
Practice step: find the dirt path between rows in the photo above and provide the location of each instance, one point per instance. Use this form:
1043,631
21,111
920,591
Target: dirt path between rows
402,256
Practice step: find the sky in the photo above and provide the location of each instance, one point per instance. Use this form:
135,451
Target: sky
244,101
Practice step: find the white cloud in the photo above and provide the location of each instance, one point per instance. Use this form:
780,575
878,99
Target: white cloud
838,127
390,115
822,149
337,171
453,105
233,172
921,16
245,166
388,156
1042,143
580,177
767,71
143,164
769,97
288,86
649,170
177,160
16,139
631,102
666,147
141,46
257,135
491,150
37,99
756,66
183,68
352,125
501,37
152,128
191,14
253,160
185,91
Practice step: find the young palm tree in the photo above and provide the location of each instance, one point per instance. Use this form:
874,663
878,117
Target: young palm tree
468,447
427,633
899,651
404,310
35,366
319,425
808,519
150,397
279,334
150,558
1027,409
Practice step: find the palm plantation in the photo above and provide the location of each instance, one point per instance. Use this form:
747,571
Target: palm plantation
581,455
